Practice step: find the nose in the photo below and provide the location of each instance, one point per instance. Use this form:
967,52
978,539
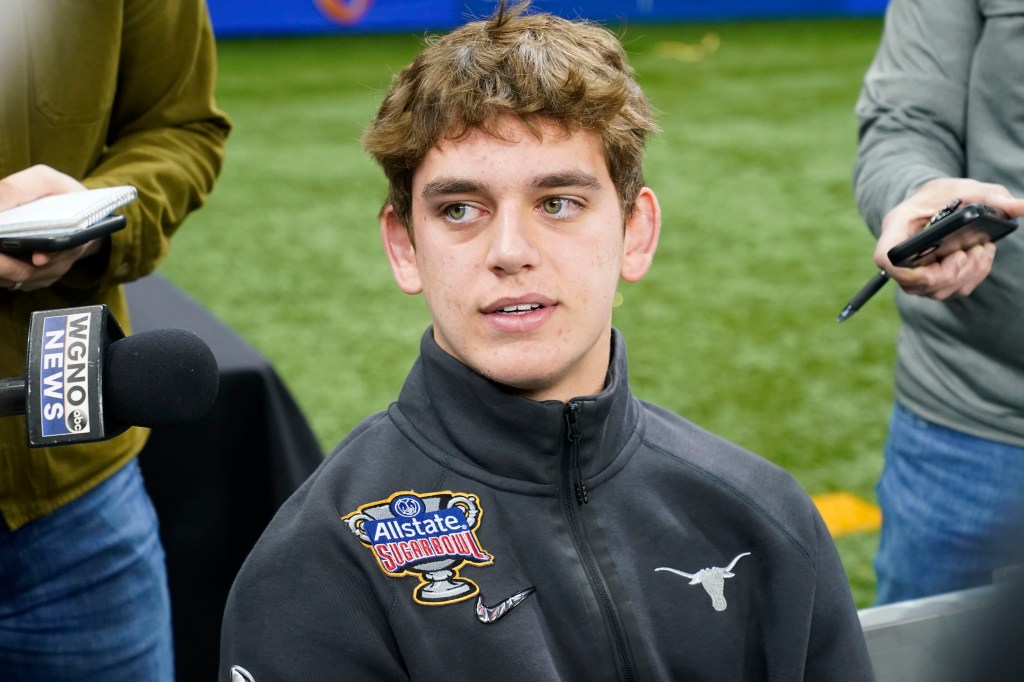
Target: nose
513,244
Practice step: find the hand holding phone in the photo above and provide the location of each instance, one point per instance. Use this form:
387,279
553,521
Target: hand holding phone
60,239
62,221
971,225
949,231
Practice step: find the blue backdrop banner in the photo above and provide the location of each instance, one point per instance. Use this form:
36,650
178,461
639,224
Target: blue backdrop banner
277,17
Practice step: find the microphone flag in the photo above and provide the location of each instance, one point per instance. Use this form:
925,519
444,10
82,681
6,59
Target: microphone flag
64,375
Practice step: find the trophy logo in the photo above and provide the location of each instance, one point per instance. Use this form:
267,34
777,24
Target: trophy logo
429,536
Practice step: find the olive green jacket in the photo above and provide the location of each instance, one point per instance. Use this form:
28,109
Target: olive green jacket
113,92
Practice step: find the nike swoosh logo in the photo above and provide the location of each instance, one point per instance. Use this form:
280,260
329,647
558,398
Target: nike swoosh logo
491,614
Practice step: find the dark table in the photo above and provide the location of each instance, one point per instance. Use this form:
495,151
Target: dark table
217,483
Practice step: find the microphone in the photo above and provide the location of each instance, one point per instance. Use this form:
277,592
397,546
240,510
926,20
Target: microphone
85,381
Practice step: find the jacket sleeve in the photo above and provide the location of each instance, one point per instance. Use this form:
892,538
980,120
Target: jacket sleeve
912,106
837,649
298,610
166,135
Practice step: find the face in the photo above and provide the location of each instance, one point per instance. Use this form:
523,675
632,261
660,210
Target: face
518,248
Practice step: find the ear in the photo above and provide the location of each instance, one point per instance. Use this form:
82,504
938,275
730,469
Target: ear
643,226
401,251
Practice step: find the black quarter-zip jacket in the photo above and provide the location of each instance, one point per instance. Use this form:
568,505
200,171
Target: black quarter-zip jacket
470,534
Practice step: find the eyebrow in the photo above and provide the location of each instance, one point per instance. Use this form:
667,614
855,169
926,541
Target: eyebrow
442,187
567,179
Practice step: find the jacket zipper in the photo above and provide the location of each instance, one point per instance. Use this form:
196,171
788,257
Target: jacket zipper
572,420
574,489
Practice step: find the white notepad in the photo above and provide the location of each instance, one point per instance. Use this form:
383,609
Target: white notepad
63,211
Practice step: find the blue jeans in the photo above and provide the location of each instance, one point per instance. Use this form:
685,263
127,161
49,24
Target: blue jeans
83,591
950,505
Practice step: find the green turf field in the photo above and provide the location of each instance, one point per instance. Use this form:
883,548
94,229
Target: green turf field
734,327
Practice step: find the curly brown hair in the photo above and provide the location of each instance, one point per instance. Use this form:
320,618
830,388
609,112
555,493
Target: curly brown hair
536,66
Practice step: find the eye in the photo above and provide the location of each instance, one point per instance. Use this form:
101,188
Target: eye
456,212
553,205
561,208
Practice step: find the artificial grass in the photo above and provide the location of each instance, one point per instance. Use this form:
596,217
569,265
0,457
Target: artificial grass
734,327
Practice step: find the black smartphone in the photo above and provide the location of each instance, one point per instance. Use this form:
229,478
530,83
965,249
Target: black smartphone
59,240
972,224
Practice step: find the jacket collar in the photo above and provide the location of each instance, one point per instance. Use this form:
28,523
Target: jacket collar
465,417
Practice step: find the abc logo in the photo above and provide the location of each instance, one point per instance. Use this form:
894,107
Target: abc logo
77,421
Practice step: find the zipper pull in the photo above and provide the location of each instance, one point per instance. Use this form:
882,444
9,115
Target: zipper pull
572,417
581,490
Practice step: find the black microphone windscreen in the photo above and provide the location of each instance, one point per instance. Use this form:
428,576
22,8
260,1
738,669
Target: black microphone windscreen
161,377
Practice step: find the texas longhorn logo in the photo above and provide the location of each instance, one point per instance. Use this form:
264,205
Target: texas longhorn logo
430,536
712,579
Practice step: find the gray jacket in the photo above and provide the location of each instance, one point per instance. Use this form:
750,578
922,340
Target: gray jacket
944,97
468,533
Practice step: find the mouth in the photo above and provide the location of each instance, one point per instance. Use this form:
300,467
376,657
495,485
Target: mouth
525,313
518,309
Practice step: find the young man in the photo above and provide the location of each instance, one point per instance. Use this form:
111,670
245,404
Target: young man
517,513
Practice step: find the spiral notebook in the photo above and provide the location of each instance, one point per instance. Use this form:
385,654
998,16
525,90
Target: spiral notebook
65,212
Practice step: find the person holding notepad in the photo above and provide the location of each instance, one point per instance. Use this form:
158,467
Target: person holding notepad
93,95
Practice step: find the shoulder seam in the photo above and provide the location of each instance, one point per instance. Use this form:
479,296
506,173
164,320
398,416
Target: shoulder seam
738,493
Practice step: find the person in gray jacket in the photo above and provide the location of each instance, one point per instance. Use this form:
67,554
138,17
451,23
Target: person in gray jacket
518,514
941,119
